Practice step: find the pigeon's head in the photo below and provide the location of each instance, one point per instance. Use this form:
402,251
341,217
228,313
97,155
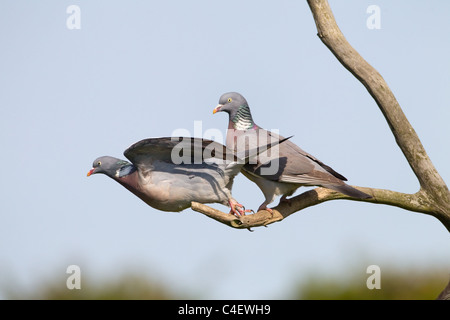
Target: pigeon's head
231,102
110,166
237,108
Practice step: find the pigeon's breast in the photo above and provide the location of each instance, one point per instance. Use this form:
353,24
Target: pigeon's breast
174,187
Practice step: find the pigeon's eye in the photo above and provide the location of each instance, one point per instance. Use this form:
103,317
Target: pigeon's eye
229,99
99,163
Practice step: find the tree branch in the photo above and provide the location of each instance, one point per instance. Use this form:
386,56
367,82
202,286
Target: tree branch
445,294
412,202
433,197
432,185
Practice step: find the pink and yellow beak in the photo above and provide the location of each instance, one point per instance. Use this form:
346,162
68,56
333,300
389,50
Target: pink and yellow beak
90,172
217,109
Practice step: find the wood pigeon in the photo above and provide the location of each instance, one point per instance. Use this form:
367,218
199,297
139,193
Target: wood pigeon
168,173
284,171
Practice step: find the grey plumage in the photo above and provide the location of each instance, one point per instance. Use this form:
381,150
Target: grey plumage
168,173
284,171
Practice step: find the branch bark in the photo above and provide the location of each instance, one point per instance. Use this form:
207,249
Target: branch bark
433,198
433,189
412,202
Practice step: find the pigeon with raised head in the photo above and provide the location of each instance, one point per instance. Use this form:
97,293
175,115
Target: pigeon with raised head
168,173
284,171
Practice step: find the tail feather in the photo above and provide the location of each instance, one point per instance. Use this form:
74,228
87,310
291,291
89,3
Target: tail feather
349,191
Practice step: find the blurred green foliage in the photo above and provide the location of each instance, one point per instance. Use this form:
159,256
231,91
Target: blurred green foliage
129,286
395,284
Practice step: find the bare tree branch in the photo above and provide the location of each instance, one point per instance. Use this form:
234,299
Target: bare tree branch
445,294
433,197
433,188
412,202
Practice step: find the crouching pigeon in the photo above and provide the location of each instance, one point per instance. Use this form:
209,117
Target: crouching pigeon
284,172
168,173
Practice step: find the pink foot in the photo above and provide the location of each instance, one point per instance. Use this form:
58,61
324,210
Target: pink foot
237,209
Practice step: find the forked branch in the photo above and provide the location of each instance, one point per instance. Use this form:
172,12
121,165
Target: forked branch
433,197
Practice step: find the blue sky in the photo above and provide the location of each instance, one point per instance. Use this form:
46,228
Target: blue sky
139,69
